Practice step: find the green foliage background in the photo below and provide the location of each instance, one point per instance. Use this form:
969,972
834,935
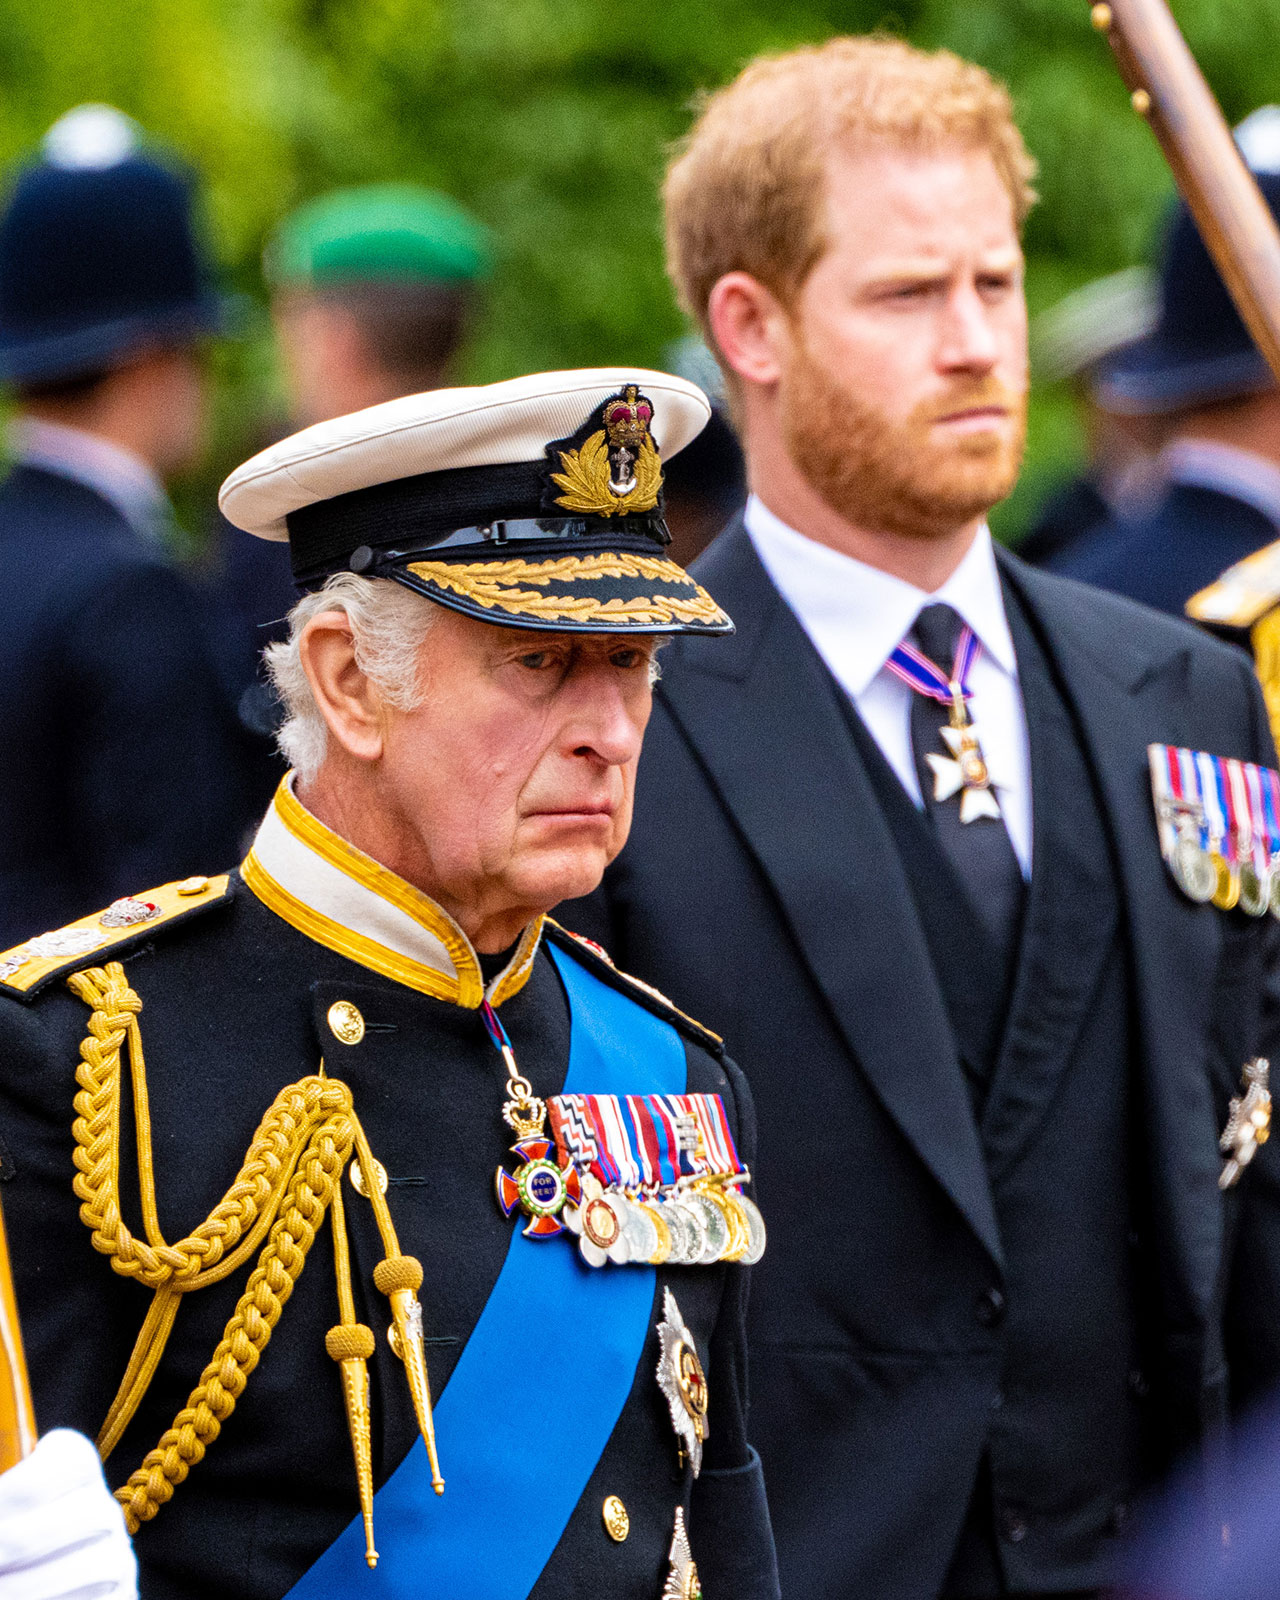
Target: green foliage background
549,118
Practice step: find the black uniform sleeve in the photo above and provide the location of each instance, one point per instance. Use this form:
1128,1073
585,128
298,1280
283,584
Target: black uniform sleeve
155,770
730,1530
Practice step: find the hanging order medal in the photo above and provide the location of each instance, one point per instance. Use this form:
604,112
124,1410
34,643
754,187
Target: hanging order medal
646,1179
964,771
1219,826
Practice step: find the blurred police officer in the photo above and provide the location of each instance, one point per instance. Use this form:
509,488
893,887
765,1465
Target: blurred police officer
120,759
1068,342
373,291
1200,378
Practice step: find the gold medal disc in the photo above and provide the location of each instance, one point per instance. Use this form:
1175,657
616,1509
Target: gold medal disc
1226,892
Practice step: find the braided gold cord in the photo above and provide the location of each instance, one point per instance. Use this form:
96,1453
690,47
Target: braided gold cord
248,1332
289,1180
236,1225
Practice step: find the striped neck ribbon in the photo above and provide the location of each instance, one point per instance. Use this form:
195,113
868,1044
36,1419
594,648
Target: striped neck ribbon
910,663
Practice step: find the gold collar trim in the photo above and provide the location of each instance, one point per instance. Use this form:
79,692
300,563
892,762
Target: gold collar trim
350,903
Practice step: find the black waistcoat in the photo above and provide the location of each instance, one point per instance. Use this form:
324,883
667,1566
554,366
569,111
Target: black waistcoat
1049,1071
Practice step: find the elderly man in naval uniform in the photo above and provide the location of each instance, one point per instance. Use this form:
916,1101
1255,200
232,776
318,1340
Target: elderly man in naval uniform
518,1181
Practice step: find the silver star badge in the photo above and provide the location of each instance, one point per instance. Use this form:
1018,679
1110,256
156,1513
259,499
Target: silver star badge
682,1575
682,1380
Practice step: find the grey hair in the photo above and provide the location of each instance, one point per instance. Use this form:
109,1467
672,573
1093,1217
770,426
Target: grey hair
388,625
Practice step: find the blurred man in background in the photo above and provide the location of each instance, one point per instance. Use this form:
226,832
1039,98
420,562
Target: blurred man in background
373,293
122,764
1068,342
1198,377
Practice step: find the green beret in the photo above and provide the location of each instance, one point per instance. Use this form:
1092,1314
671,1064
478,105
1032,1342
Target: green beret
384,231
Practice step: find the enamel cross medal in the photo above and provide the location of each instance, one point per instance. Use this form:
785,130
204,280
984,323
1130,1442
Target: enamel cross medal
964,771
541,1185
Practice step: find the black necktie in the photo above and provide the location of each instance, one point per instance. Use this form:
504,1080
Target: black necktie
980,850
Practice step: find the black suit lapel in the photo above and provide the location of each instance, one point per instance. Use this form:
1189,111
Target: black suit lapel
1069,928
1122,700
759,712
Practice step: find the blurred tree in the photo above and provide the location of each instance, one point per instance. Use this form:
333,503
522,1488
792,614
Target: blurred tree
550,119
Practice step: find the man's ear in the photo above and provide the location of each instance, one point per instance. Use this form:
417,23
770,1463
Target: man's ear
347,697
750,326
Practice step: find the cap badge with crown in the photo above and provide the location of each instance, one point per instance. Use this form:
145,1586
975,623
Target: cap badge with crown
617,469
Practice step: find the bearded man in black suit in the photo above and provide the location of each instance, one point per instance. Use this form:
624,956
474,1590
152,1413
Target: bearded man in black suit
896,841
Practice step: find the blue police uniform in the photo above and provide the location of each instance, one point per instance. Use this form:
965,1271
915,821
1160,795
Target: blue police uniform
123,762
1198,354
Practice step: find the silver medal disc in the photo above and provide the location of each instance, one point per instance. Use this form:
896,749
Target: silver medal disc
1255,890
1193,869
756,1230
686,1246
640,1234
714,1225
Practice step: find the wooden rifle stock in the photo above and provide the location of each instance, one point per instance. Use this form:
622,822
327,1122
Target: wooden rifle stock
1168,89
17,1417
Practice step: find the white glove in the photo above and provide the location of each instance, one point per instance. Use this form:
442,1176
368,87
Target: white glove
62,1535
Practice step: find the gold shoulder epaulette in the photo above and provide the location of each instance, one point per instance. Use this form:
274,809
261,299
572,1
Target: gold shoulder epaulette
29,966
600,954
1243,593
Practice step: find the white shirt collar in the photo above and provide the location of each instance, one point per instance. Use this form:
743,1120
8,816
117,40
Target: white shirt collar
863,613
1203,463
124,479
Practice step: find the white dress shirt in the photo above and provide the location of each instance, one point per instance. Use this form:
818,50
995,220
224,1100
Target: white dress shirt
856,616
122,478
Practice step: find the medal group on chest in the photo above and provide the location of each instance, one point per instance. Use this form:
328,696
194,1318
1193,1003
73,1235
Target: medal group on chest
1219,825
646,1180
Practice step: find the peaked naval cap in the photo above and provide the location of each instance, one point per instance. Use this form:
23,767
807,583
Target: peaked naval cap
534,503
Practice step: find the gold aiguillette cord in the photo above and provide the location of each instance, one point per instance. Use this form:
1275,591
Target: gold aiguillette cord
351,1344
399,1277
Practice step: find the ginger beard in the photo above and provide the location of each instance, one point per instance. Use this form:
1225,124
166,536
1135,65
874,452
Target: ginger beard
900,477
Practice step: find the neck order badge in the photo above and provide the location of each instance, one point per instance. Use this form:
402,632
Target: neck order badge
964,772
467,1544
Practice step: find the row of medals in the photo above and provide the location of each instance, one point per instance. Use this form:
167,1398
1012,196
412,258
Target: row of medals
695,1222
1207,876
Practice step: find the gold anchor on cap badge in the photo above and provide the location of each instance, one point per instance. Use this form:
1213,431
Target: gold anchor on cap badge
617,469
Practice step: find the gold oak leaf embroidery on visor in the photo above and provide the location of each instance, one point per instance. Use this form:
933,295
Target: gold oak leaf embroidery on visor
586,479
488,584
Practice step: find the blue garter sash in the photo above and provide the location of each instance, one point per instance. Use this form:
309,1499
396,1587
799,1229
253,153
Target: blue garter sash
516,1465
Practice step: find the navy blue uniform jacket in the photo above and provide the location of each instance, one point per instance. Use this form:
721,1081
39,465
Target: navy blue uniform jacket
1184,544
122,763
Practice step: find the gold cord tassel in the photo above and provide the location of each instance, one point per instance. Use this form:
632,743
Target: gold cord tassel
351,1344
399,1277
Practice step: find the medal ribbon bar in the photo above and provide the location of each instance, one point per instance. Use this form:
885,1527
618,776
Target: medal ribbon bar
1218,820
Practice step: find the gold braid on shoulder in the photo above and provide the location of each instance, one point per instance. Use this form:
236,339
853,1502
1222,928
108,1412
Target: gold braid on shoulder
290,1178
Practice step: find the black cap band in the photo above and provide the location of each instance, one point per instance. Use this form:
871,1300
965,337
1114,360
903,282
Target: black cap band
458,508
